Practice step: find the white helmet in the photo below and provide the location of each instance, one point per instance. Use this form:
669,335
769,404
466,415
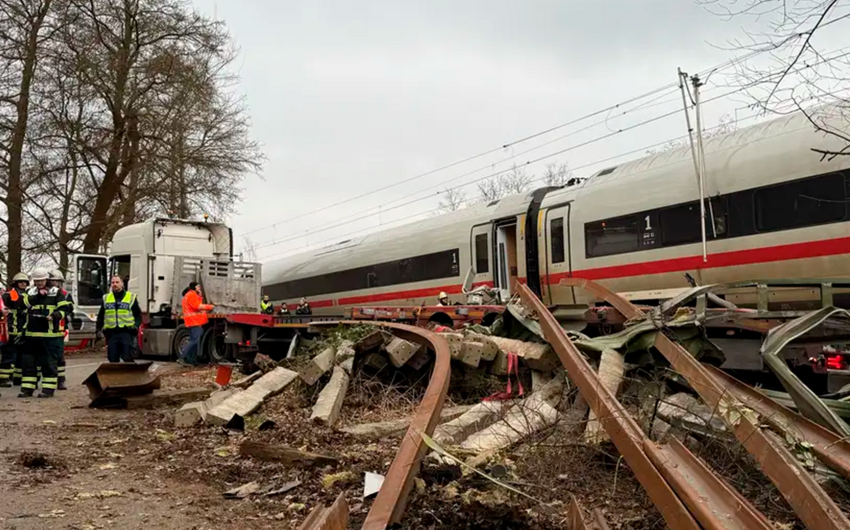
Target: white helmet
56,274
442,296
40,274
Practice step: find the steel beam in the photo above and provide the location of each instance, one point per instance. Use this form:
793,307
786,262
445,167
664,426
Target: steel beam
831,449
806,497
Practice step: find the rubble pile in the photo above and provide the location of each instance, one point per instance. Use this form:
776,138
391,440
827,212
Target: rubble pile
515,445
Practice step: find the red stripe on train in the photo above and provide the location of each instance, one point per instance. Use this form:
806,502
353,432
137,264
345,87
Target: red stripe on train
811,249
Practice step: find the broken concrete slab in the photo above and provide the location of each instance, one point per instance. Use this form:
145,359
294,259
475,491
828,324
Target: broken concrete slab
400,351
612,369
318,366
536,355
344,351
371,342
522,420
539,379
247,401
194,413
688,413
490,349
470,353
392,428
285,455
420,359
347,365
499,366
455,341
478,417
375,361
327,407
162,398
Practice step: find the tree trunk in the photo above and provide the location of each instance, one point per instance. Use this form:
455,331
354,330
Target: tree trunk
15,195
112,179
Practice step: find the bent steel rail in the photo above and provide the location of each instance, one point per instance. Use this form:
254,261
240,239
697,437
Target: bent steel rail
392,497
680,486
803,493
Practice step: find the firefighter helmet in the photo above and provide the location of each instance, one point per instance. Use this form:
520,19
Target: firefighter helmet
56,274
21,277
443,296
40,274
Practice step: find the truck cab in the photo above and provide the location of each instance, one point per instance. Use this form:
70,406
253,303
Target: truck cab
157,259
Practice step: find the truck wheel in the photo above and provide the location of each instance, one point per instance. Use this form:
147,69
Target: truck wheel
181,337
213,348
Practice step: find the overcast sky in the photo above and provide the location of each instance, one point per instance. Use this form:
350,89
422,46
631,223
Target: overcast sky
347,97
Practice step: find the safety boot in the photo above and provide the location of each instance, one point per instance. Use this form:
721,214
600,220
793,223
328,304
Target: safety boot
45,394
5,383
26,393
61,386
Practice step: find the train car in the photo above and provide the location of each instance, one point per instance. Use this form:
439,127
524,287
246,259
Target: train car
778,209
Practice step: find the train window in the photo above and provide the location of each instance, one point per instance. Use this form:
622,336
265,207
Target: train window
556,233
613,236
422,268
805,202
482,255
680,224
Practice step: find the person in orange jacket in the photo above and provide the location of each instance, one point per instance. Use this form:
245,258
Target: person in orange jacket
195,318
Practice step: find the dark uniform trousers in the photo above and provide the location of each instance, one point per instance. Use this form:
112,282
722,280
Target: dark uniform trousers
36,358
8,361
56,355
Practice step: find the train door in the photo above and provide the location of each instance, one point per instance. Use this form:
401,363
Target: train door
482,254
557,262
506,257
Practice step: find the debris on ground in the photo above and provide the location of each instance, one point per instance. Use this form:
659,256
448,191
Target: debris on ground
516,445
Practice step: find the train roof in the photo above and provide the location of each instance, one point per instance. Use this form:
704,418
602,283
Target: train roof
328,259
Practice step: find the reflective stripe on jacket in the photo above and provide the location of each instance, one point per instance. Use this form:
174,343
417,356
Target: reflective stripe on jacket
118,313
194,310
42,304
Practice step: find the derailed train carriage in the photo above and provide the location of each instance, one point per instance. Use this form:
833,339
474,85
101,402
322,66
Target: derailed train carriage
778,209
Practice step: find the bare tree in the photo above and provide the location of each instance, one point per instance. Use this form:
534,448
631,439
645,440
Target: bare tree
557,174
511,183
453,199
797,74
22,27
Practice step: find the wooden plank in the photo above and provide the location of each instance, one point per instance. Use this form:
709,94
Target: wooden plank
167,397
285,455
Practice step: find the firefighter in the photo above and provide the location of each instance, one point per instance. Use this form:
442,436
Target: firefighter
266,307
119,320
443,299
14,312
56,345
303,308
46,309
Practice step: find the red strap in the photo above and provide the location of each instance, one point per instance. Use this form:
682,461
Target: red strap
513,366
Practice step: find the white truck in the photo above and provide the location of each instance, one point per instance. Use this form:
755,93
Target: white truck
157,259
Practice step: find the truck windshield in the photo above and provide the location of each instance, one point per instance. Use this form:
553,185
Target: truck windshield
91,280
120,266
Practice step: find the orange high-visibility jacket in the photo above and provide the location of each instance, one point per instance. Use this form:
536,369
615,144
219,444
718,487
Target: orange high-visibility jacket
194,310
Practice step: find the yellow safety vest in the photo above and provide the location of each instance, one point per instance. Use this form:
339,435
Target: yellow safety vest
118,314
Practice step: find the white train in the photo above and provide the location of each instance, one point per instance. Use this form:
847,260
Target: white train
780,211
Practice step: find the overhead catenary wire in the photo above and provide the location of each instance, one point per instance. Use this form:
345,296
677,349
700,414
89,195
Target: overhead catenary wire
670,86
431,194
407,219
